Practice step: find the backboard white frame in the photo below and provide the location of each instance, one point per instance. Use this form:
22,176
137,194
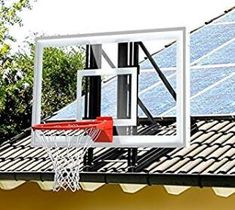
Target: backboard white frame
182,138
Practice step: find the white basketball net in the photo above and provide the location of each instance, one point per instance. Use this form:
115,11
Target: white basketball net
67,161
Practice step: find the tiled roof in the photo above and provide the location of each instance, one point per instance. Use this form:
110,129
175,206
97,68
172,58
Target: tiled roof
211,153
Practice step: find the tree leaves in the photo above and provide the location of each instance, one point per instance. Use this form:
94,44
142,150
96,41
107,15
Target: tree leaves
9,17
59,86
16,75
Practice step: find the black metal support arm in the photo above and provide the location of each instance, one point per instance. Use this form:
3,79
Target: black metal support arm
146,111
161,75
109,61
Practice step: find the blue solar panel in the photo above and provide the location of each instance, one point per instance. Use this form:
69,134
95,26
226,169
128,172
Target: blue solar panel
202,78
209,38
165,58
224,55
158,100
109,93
218,100
147,79
203,102
230,17
202,42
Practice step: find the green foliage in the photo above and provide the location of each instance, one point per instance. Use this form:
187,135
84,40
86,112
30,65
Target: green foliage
59,86
59,78
16,75
11,83
15,95
9,17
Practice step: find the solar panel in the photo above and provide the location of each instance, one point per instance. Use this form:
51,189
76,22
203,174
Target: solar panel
158,99
214,98
205,77
224,55
67,112
147,79
213,44
209,38
165,58
202,42
217,100
201,79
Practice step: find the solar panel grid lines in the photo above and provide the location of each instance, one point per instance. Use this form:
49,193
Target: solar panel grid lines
196,62
202,92
214,85
222,96
202,41
155,85
212,66
223,56
207,45
211,37
213,74
192,67
197,78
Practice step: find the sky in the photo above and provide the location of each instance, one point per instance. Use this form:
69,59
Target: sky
58,17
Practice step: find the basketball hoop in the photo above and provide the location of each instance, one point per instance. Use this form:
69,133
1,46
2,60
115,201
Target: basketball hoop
78,137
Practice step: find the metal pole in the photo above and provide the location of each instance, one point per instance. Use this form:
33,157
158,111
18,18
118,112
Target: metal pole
132,152
93,61
95,82
87,66
122,82
128,55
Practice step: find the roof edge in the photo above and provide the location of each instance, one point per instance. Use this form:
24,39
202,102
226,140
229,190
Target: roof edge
199,180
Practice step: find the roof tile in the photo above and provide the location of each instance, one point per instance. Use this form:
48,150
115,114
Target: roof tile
190,166
218,152
215,166
165,165
212,151
226,167
200,168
